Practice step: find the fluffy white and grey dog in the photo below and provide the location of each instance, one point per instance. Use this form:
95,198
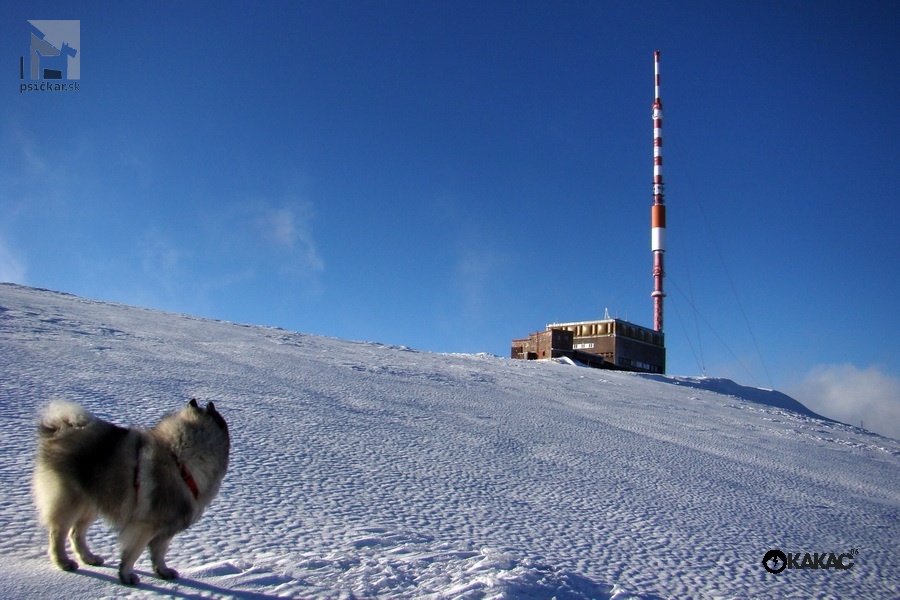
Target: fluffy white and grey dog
149,484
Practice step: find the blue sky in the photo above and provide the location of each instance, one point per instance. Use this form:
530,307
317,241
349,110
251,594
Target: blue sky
451,175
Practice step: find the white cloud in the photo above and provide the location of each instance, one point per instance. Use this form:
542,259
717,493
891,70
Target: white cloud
849,394
160,259
282,226
475,272
290,229
12,267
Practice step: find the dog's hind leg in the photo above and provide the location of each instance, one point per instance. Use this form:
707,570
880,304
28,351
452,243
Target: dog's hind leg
58,547
78,536
158,548
58,507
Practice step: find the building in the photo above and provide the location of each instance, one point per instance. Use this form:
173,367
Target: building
605,344
625,345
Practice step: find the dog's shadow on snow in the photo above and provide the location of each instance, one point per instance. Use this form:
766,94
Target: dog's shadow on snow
202,589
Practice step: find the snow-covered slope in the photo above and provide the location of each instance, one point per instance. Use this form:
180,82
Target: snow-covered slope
362,470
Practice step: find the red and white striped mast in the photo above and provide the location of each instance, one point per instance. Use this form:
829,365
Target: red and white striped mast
658,214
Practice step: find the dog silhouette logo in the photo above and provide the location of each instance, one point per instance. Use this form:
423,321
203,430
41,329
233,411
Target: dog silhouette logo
53,51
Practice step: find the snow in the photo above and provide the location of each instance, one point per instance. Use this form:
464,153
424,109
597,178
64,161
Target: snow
363,470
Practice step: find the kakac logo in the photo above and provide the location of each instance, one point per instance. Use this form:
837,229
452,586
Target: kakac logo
53,60
776,561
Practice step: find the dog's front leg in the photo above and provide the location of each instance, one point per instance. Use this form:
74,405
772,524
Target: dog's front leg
133,540
158,548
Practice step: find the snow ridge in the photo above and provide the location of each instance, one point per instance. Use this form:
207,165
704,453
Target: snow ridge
361,470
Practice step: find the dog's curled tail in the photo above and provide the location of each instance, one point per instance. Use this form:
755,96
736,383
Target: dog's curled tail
60,416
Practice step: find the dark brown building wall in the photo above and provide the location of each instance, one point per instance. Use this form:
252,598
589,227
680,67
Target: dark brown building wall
631,354
541,344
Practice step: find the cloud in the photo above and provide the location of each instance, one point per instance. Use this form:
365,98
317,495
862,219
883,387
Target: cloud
12,267
849,394
290,230
476,270
473,272
161,260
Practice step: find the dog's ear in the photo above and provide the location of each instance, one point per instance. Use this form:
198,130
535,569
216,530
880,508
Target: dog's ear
193,403
214,414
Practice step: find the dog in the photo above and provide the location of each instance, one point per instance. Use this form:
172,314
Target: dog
149,484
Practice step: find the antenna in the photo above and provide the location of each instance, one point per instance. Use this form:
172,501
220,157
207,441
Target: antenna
658,214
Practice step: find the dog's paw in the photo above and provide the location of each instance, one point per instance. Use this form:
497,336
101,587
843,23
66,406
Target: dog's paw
67,565
129,578
166,573
93,560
